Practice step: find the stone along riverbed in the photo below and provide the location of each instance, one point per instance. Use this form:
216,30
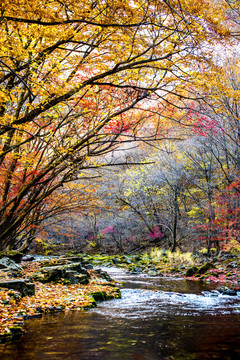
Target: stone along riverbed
156,318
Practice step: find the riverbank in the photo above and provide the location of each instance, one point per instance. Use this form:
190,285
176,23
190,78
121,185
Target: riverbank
33,288
223,268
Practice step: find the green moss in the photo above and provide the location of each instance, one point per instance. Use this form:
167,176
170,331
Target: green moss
71,253
13,255
91,305
227,261
204,268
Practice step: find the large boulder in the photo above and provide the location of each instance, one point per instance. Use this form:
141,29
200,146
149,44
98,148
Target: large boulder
25,288
74,273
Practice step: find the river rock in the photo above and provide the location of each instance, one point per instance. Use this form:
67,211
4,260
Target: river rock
204,268
75,273
233,265
103,296
226,291
99,296
25,288
88,266
76,278
191,271
74,259
74,266
135,270
128,261
62,261
8,264
211,293
103,274
152,273
28,258
115,261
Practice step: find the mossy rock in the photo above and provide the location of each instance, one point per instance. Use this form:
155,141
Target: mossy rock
37,276
107,263
191,271
72,253
118,294
14,334
103,296
214,273
204,268
6,337
134,270
115,261
227,261
203,277
74,273
100,296
93,304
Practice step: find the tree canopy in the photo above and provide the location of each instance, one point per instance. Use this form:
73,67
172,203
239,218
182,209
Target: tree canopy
74,78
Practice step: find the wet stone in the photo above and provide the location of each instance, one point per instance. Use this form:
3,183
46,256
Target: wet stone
224,290
28,258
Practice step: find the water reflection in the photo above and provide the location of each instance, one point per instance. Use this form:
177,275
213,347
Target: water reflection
155,319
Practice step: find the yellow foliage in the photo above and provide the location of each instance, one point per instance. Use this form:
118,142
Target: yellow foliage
72,75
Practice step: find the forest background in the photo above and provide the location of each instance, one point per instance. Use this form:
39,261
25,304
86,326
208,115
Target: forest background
119,124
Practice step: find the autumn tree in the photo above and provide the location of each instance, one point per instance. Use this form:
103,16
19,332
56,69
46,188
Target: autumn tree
216,120
71,78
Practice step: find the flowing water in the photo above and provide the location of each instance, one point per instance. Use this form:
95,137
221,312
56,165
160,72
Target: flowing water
157,318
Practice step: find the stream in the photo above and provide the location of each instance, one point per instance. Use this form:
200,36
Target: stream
156,318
